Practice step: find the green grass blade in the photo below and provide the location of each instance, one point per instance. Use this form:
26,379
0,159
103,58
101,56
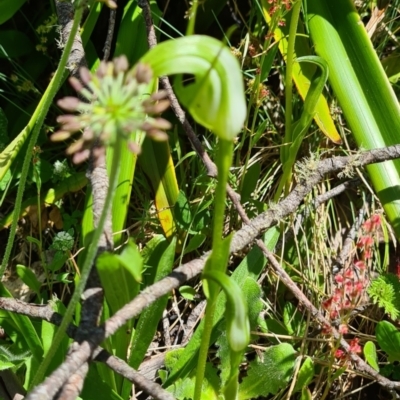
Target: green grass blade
362,88
300,128
303,73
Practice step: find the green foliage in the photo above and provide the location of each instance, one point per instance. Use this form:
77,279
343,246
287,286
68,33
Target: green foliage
370,355
167,211
8,8
388,337
8,359
270,375
385,292
305,376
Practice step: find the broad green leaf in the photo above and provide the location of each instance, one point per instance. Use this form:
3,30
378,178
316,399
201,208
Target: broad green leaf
183,389
8,8
362,88
293,319
306,394
47,333
303,73
252,293
150,317
58,261
183,214
132,25
271,375
216,98
120,274
388,337
275,326
250,182
370,355
123,193
132,261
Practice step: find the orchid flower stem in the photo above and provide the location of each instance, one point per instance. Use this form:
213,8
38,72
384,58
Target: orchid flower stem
224,159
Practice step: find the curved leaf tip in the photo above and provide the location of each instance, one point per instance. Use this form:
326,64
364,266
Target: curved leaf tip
216,98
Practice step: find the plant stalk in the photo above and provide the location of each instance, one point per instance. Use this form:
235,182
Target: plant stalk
87,264
224,159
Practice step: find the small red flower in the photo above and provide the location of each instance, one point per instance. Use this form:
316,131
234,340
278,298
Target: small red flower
327,303
360,264
343,329
340,354
326,330
354,346
358,288
365,241
367,254
349,273
368,226
339,278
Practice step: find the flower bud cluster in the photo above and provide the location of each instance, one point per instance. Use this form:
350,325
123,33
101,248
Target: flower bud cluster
277,5
115,102
351,282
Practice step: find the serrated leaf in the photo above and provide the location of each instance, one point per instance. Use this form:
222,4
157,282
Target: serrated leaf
183,389
271,375
370,355
223,354
388,338
252,294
